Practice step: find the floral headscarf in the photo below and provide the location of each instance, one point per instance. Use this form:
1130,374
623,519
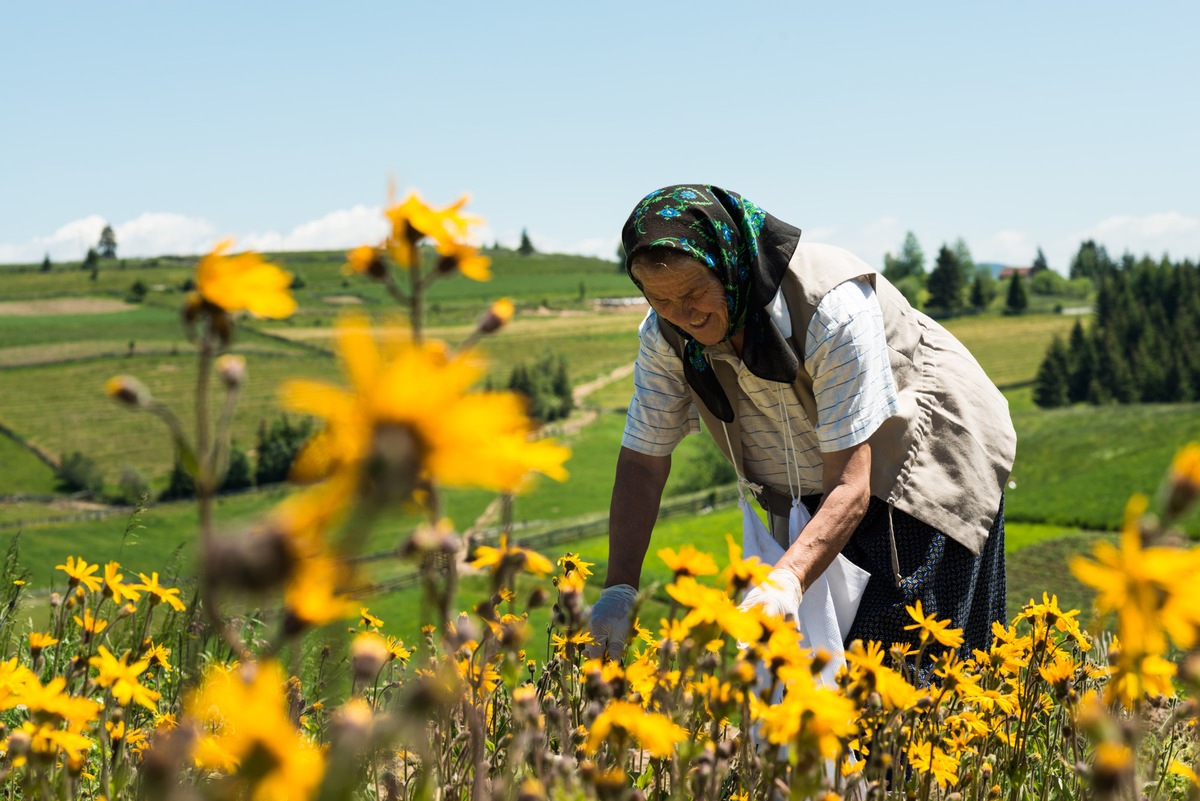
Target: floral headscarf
747,249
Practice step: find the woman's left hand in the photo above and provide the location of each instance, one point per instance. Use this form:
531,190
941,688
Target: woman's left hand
780,595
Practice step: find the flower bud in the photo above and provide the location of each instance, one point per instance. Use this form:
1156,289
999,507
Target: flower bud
231,368
129,391
497,316
368,654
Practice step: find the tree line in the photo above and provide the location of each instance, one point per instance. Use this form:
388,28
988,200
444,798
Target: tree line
1142,344
956,285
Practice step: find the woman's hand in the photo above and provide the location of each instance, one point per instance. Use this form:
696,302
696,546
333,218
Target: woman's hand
780,595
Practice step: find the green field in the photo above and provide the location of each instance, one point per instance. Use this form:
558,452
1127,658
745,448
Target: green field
1075,467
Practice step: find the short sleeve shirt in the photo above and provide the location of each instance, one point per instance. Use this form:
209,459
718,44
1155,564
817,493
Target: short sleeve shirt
846,355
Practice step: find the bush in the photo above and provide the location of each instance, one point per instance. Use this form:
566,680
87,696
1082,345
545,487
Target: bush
277,446
180,485
546,386
706,470
80,473
238,476
132,486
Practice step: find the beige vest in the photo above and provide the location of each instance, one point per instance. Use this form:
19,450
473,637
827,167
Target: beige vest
945,456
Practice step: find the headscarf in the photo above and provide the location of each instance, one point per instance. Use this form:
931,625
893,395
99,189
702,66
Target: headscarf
747,249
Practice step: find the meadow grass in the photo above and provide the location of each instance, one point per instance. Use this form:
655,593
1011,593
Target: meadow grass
22,471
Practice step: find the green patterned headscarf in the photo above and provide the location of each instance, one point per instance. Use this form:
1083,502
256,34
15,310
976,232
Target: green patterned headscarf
747,249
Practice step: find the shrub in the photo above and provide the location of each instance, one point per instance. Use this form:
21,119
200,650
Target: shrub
278,444
132,486
80,473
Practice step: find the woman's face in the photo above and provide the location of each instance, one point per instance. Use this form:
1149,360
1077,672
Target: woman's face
691,297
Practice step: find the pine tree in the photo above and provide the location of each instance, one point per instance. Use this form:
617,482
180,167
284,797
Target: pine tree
1039,263
946,283
1081,364
1050,386
1017,300
526,247
91,261
46,264
108,243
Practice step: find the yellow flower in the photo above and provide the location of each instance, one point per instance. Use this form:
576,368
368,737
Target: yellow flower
571,563
397,651
932,628
367,619
159,593
46,738
928,758
14,678
1180,769
80,572
413,220
244,282
115,588
809,716
244,713
688,561
122,678
365,260
743,573
464,258
417,392
709,605
656,733
1184,481
314,595
39,641
159,655
511,556
89,624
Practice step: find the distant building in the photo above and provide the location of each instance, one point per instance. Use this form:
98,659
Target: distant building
1008,272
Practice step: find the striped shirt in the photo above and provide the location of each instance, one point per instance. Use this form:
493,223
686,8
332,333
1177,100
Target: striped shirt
846,355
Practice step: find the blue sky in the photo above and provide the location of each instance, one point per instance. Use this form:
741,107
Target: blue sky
1011,125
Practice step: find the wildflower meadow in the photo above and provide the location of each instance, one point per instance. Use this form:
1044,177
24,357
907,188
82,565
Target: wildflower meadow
261,672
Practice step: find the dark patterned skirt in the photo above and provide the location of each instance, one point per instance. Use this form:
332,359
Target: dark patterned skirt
949,581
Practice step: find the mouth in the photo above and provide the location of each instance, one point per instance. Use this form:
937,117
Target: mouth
699,323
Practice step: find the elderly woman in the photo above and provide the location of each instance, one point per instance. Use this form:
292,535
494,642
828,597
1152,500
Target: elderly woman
817,380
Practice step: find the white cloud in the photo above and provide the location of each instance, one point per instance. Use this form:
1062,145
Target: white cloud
68,242
1154,234
164,233
337,230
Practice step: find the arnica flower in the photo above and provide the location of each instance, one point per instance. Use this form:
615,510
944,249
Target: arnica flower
571,563
243,714
114,586
244,282
90,625
419,394
80,572
128,391
159,593
1152,590
809,716
413,220
122,678
928,758
39,641
367,619
365,260
465,259
315,593
511,556
688,561
656,733
933,629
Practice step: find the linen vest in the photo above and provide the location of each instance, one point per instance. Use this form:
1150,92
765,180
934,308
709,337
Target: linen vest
946,454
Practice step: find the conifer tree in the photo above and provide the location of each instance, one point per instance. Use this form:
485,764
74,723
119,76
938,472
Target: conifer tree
1017,300
107,246
946,283
526,247
1050,386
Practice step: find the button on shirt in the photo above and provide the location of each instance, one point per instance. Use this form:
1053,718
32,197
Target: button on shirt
846,355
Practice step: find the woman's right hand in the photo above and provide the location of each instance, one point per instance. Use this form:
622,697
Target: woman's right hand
610,622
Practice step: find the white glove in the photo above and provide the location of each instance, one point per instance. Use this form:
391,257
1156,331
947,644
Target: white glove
610,622
779,595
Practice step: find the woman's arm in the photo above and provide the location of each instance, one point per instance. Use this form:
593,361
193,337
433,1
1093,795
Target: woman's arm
637,493
847,487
